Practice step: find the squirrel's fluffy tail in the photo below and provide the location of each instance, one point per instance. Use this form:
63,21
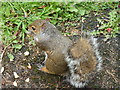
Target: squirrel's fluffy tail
82,69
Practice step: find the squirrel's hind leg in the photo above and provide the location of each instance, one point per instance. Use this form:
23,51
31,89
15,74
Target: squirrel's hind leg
44,69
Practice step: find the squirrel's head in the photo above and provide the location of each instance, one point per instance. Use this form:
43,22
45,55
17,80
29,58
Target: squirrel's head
36,27
40,30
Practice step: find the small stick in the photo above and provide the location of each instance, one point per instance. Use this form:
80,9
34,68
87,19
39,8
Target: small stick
112,76
3,52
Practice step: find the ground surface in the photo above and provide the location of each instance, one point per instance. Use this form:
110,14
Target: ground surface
108,77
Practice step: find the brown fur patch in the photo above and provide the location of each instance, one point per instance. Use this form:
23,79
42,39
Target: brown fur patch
54,67
83,50
80,47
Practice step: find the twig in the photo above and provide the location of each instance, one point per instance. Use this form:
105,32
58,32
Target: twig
112,76
2,54
8,81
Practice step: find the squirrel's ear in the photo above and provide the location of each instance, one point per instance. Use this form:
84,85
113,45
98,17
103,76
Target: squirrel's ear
42,23
47,19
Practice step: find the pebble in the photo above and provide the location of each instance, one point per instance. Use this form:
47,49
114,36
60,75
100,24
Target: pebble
27,80
26,53
2,70
15,75
15,83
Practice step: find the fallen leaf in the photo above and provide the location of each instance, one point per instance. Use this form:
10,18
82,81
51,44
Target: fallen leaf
15,83
27,80
15,75
109,29
2,70
29,66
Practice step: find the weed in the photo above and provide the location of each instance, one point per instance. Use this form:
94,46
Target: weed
110,26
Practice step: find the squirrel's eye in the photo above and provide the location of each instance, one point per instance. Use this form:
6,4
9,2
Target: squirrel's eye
33,27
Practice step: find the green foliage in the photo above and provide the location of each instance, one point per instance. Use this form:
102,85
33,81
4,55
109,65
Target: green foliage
17,46
111,27
16,16
10,56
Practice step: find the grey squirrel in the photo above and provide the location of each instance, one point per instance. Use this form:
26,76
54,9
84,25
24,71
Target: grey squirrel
79,60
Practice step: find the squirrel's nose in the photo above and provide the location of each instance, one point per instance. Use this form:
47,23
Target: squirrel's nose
28,31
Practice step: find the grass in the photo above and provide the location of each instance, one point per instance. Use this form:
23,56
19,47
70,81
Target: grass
16,16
